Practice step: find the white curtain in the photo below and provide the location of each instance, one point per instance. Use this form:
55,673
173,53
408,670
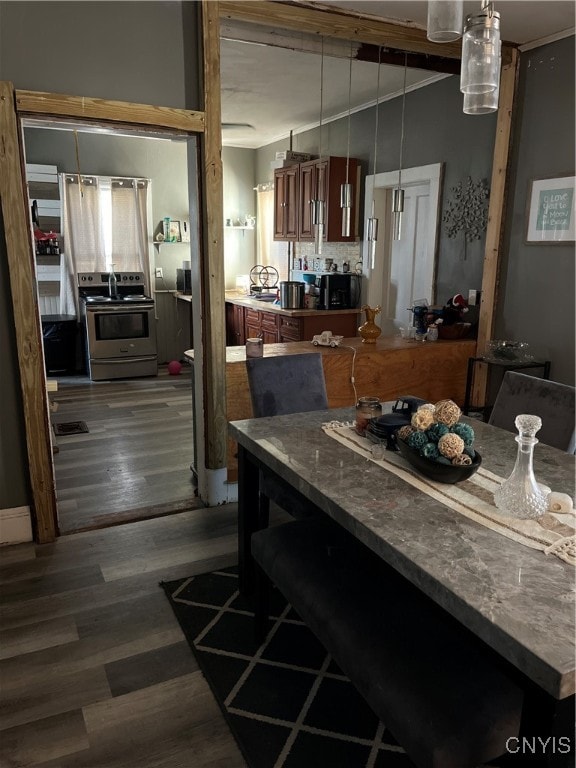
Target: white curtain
105,223
270,252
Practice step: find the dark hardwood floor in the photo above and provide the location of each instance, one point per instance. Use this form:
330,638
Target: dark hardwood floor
94,669
135,460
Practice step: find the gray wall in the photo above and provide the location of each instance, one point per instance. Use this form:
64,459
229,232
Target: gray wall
239,200
536,299
142,52
436,131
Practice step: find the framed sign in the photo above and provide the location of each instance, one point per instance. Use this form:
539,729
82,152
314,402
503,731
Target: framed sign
551,210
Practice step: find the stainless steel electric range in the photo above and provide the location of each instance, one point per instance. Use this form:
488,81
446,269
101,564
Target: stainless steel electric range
120,329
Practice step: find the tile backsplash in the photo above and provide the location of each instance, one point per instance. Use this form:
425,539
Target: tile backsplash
340,253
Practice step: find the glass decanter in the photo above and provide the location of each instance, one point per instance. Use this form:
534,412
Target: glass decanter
520,495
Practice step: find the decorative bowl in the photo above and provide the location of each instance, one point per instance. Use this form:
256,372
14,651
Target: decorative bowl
441,473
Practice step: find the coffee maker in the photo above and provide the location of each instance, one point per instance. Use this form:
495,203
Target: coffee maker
337,291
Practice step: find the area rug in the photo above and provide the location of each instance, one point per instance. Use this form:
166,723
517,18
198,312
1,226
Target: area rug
70,428
286,702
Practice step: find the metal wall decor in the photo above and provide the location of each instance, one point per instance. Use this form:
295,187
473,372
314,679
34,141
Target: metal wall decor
467,210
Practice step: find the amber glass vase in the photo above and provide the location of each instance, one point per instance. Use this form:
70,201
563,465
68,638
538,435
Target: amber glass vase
369,330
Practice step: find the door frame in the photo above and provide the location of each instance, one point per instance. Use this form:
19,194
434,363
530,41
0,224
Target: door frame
379,186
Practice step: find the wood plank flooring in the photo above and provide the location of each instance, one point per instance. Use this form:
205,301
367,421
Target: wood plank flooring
94,669
135,461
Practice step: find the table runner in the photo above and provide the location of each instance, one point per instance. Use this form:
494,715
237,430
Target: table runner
474,498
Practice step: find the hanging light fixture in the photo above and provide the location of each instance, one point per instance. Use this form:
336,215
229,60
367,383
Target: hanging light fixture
481,103
372,222
318,202
480,70
346,189
398,193
444,20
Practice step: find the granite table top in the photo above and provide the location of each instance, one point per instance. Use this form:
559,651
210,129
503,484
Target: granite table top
518,600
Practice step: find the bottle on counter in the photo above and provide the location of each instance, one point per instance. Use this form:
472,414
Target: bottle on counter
305,264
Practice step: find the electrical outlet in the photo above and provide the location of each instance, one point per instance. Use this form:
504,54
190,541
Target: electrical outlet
158,272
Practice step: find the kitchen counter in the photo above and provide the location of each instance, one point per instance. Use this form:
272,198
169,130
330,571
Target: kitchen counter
267,306
387,369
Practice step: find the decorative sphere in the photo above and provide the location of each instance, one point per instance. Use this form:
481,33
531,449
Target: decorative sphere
417,440
464,431
436,431
450,445
422,419
174,368
447,412
430,451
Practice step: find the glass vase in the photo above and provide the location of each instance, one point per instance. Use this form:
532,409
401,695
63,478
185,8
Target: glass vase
519,495
366,408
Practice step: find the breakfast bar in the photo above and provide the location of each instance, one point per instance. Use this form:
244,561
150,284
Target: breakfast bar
387,369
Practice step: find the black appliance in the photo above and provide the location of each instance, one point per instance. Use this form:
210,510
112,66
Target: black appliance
338,291
59,338
184,281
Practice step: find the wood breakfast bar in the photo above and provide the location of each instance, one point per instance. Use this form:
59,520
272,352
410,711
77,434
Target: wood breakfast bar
387,369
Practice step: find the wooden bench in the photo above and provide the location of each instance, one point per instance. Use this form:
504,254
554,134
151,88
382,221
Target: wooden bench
440,690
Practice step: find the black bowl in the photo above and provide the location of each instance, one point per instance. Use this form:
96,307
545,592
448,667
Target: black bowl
442,473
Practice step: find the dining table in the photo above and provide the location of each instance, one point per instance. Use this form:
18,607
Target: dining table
517,599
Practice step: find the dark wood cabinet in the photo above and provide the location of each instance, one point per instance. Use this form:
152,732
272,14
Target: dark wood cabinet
272,327
234,325
322,179
286,203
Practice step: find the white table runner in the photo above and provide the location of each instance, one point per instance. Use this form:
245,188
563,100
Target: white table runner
474,498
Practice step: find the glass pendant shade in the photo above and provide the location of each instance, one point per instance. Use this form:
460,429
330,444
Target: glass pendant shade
346,205
481,103
445,19
318,222
480,72
397,211
372,235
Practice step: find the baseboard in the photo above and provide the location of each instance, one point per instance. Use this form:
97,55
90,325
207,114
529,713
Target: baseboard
15,525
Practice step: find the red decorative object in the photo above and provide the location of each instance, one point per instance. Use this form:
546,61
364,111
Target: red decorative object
174,368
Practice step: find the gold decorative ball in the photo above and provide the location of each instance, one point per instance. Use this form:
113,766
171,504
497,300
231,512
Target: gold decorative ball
463,460
447,412
404,432
422,419
450,445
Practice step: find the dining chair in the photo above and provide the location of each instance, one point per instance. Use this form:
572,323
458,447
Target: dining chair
286,384
552,401
278,386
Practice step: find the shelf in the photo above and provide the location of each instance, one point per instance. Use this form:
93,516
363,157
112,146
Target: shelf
237,226
171,242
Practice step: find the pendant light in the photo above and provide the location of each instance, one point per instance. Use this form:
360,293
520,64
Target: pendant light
318,202
372,222
481,103
444,20
480,71
346,189
398,193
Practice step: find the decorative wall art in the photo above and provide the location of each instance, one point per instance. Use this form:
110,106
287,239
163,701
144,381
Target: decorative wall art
175,232
551,214
467,211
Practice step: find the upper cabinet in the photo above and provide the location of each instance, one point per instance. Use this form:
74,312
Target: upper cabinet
286,203
316,179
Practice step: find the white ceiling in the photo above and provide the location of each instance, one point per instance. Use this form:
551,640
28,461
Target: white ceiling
274,90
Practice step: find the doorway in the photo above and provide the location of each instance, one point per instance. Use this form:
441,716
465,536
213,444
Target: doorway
404,270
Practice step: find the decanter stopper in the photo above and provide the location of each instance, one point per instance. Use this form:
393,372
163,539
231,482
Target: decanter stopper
520,495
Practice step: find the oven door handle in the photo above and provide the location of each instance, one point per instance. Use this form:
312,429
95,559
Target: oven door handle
123,360
123,308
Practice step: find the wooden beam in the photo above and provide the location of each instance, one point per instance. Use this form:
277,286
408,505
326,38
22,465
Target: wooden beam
496,216
83,107
26,320
337,23
212,262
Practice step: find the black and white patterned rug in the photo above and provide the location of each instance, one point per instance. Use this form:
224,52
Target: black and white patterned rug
287,703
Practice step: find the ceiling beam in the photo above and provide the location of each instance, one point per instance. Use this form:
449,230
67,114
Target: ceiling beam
346,26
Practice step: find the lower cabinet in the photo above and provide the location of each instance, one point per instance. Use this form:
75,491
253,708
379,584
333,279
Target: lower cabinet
272,327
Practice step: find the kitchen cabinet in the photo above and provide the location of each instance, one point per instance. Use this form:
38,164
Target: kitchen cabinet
322,179
286,203
234,325
314,179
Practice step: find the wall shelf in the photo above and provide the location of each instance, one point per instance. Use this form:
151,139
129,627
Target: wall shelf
237,226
